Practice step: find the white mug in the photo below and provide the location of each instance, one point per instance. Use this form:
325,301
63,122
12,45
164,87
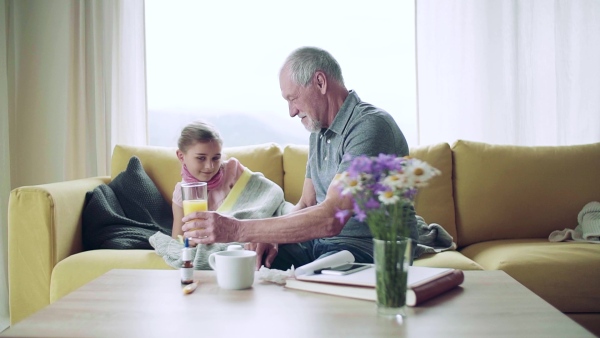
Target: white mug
235,268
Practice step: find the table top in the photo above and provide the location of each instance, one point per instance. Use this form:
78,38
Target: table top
150,303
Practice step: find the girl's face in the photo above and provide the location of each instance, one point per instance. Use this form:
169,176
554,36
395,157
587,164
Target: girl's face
202,159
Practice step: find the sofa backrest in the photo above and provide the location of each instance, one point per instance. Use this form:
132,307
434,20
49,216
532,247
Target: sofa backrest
435,202
504,192
162,166
287,167
295,158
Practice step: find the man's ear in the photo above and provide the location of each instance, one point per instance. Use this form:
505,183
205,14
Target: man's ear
321,81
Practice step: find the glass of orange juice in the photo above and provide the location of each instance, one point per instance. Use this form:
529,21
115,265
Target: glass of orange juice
194,196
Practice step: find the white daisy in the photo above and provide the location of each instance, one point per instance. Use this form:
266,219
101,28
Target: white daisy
388,197
395,180
351,185
419,172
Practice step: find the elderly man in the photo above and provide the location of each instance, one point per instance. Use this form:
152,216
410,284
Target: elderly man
340,123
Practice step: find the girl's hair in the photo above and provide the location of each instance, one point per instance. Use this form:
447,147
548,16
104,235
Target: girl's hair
198,131
305,61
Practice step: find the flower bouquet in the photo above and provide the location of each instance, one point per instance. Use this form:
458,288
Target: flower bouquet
383,190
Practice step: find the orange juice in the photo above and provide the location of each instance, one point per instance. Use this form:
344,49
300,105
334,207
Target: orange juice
190,206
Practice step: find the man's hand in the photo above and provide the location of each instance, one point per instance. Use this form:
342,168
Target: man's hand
208,227
268,250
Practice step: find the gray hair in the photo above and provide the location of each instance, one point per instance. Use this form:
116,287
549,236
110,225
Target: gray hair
198,131
305,61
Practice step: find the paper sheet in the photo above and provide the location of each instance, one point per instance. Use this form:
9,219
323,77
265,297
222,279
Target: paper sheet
339,258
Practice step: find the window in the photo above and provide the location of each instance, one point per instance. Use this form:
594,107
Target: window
220,61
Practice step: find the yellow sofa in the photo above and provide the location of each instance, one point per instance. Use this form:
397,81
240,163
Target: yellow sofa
499,203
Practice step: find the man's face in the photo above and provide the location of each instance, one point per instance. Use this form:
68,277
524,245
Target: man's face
303,102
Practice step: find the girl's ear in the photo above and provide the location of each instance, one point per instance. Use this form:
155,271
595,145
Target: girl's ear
179,155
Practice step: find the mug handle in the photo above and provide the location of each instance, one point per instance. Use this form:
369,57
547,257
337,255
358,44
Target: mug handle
211,261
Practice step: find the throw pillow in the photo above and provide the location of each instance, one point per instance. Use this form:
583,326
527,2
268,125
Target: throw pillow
126,212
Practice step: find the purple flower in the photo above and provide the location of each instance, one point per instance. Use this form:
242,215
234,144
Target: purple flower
385,162
361,215
360,165
410,193
372,204
379,186
341,214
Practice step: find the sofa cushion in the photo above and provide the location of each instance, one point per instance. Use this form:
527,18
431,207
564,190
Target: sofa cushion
265,158
565,274
447,259
435,203
161,164
515,192
124,213
295,158
81,268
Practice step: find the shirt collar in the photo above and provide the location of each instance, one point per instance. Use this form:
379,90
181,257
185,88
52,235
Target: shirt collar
341,118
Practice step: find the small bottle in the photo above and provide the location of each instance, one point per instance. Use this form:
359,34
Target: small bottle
187,268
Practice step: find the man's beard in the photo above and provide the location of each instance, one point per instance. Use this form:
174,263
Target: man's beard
313,126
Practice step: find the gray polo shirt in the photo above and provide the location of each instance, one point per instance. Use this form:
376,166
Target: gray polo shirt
359,128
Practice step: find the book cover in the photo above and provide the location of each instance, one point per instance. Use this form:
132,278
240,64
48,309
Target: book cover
424,283
425,290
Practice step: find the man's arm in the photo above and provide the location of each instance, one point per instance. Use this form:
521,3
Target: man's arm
316,221
308,198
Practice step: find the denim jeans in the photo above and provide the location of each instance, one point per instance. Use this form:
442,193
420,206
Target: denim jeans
298,254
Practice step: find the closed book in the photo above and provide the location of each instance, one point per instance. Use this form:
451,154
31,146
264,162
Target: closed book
423,284
350,291
425,290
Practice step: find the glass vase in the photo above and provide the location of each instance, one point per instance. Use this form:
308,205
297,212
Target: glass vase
392,259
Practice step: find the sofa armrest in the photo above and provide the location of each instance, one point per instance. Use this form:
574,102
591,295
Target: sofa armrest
44,227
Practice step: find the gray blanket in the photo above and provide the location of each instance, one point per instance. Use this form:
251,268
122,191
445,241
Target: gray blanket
124,213
432,238
252,197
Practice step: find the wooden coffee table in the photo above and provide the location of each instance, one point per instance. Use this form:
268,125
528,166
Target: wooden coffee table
149,303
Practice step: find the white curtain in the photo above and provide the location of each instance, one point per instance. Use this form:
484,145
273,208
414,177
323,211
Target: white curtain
72,86
76,86
5,170
521,72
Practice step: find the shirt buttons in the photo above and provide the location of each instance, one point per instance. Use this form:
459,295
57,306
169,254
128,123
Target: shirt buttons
329,141
325,158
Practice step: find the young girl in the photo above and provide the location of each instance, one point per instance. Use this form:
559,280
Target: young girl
199,151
